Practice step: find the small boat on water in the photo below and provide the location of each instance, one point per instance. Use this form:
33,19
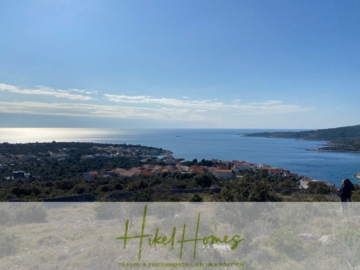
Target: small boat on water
357,175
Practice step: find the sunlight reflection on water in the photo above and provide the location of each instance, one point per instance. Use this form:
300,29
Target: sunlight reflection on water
224,144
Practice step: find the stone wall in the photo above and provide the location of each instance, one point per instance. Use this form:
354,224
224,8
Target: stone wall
76,198
187,191
126,195
119,196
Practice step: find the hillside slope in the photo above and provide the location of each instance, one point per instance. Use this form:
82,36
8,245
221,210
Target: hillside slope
344,139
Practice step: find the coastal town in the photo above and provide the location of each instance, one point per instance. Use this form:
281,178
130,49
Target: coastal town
222,169
161,161
150,162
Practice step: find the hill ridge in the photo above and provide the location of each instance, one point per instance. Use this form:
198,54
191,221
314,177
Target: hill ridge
340,139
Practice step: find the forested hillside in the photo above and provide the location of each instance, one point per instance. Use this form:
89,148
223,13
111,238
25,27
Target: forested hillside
345,139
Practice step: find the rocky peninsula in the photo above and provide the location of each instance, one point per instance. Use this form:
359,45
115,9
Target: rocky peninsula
341,139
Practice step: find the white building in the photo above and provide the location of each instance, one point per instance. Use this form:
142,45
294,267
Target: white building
221,173
242,165
3,167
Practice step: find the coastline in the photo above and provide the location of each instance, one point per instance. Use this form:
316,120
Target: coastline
326,148
204,144
330,150
341,139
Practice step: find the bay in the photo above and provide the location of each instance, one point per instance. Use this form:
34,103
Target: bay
225,144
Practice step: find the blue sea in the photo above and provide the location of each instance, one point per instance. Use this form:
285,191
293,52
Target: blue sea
226,144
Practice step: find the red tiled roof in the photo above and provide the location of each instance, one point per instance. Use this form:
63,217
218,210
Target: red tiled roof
127,173
275,171
146,173
222,171
198,169
236,162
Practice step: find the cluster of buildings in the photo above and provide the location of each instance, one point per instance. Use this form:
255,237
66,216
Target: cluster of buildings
19,174
60,155
129,152
145,170
220,168
11,159
167,163
145,153
104,152
304,182
8,158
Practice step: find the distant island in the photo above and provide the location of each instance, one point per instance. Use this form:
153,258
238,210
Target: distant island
341,139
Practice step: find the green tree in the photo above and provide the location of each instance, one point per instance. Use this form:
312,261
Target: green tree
249,188
196,198
318,188
203,180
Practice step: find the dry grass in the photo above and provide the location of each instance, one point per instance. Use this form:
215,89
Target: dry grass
72,237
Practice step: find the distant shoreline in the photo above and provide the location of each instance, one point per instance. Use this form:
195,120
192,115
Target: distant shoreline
328,150
342,139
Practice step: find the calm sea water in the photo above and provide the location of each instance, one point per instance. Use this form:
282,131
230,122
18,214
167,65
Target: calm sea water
227,144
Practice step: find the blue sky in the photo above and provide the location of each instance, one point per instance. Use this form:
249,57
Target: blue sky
179,64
